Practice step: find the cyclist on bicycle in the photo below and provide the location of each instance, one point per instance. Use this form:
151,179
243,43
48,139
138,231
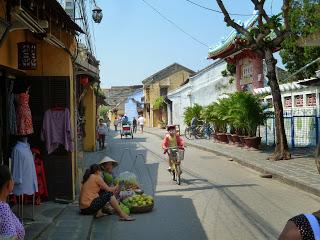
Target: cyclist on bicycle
172,140
193,124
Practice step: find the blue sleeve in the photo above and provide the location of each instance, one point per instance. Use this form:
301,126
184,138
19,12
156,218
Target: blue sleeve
16,166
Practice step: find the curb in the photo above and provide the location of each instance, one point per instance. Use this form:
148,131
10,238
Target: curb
47,227
280,177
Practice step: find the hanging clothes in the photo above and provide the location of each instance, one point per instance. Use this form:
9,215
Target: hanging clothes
12,119
56,130
23,170
24,117
41,176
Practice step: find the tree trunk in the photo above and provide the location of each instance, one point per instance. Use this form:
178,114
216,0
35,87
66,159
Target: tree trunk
281,151
317,157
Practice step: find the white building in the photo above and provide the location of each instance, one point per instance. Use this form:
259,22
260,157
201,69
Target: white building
207,86
301,105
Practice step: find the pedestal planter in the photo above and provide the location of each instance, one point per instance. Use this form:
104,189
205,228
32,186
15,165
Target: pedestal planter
242,143
215,137
252,142
229,136
235,139
223,137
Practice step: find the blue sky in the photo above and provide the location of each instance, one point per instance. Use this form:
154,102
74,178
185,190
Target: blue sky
132,42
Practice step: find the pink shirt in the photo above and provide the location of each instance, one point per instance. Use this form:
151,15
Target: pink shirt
56,130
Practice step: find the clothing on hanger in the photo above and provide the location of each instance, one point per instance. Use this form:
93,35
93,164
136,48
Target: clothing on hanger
12,119
23,113
23,170
56,130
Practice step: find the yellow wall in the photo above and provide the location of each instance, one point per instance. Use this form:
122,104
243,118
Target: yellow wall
173,82
51,61
89,103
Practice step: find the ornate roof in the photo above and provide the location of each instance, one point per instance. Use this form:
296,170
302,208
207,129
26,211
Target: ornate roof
229,44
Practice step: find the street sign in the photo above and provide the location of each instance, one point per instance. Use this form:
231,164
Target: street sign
27,56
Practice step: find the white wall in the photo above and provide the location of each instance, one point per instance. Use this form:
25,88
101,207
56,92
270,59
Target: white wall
204,88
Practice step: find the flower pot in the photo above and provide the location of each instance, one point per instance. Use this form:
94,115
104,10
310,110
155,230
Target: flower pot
235,139
229,136
241,143
223,137
215,137
252,142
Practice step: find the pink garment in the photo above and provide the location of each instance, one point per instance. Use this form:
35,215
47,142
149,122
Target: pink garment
23,114
166,143
56,130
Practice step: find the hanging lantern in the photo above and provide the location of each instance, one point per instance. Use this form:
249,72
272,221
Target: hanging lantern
97,14
84,80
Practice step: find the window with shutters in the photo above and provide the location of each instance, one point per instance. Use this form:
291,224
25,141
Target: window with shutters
298,101
311,99
163,91
288,101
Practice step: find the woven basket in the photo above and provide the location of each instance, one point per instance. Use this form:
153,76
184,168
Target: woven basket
142,209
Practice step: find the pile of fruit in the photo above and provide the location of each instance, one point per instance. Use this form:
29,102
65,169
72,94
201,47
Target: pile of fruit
138,201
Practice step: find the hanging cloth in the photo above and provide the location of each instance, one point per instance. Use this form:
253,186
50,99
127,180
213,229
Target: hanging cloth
23,170
12,119
24,117
56,130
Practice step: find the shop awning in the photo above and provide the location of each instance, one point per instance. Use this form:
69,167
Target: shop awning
5,69
51,9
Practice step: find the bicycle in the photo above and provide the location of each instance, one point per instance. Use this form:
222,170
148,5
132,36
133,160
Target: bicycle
176,155
194,132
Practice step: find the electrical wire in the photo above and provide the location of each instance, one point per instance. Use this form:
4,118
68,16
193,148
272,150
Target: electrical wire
174,24
217,11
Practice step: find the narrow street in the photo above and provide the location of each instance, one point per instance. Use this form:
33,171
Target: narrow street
218,199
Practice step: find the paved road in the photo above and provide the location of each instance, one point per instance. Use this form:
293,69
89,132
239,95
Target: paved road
218,199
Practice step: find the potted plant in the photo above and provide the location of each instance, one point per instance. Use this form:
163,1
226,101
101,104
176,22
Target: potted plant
191,112
215,113
252,115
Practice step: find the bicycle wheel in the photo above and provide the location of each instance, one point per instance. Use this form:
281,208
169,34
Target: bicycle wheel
199,132
173,175
178,174
188,133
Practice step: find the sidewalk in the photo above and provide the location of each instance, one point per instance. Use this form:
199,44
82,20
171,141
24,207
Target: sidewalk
301,171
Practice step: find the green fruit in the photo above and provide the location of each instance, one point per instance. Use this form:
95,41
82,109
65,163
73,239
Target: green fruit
107,178
124,208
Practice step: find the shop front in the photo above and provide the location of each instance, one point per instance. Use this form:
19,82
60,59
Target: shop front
37,90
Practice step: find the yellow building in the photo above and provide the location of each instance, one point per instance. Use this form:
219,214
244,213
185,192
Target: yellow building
158,85
37,51
87,71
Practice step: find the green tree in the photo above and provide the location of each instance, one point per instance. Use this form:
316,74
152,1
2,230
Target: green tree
103,111
304,20
190,112
265,38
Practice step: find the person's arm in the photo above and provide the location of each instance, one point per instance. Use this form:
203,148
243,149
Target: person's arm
104,186
165,143
180,141
290,232
7,223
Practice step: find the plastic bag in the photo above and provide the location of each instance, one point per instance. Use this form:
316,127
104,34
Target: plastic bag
128,177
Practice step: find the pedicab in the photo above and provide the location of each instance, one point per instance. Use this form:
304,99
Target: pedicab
126,130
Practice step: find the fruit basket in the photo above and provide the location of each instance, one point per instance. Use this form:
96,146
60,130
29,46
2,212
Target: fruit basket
142,209
139,203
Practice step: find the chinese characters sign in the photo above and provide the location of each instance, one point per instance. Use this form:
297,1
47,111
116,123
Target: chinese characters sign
27,56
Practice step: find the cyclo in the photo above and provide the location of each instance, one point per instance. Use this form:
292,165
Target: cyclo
173,144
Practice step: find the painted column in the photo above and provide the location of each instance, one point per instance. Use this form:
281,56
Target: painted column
89,102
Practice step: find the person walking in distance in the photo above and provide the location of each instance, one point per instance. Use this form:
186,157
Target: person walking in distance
115,124
108,123
134,124
102,132
141,122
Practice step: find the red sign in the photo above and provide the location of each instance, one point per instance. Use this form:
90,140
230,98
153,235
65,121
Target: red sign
27,56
